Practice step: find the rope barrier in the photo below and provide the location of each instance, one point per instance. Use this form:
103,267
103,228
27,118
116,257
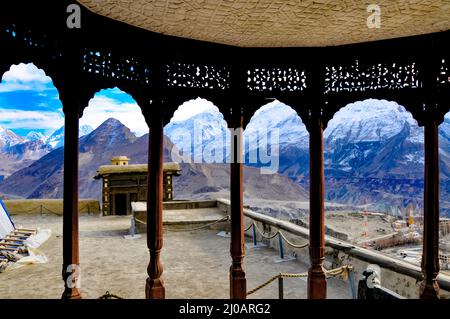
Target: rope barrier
31,210
344,270
109,295
203,226
51,211
38,209
306,244
193,229
263,285
262,233
248,228
282,235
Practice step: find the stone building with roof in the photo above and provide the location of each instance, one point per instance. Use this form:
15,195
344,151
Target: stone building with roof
123,183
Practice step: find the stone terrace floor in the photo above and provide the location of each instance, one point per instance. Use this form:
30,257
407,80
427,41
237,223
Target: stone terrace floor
195,264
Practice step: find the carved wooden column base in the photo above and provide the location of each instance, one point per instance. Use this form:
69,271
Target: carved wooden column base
317,283
429,289
154,286
238,283
154,289
69,293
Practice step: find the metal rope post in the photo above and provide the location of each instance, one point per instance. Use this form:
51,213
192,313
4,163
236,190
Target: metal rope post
254,234
280,243
280,287
351,280
133,222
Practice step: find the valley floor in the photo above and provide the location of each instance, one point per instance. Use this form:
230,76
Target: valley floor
195,264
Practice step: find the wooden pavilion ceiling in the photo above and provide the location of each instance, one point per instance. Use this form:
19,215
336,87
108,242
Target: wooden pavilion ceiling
278,23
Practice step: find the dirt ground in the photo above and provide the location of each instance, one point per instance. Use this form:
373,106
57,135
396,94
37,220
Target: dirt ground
195,264
353,225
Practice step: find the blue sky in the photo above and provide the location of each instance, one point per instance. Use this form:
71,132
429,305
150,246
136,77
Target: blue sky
30,102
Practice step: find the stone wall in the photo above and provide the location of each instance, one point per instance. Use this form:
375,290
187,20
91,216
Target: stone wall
49,206
396,275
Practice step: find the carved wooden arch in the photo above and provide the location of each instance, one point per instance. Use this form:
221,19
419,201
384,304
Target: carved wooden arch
443,101
42,59
241,105
91,87
251,104
266,81
22,43
437,99
301,105
49,70
184,79
173,100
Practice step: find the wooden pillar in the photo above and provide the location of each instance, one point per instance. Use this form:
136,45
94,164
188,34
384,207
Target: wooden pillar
154,288
238,283
429,288
70,272
317,285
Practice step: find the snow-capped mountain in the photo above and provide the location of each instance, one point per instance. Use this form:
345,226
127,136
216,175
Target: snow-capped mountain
35,136
275,130
85,130
371,121
276,116
56,140
29,150
8,138
361,133
17,152
208,131
203,136
373,149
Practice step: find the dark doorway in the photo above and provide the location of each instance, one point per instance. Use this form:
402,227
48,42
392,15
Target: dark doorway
120,204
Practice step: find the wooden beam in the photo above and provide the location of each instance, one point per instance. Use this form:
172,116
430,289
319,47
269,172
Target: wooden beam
70,271
238,282
317,285
429,288
154,288
9,244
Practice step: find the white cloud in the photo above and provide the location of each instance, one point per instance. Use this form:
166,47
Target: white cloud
20,119
101,108
25,77
191,108
26,73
